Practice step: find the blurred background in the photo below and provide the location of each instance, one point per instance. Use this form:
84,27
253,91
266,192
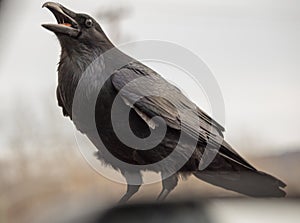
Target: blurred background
252,48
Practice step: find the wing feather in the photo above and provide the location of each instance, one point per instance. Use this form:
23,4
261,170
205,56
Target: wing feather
165,103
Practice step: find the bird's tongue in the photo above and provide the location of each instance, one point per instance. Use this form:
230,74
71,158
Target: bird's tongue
67,24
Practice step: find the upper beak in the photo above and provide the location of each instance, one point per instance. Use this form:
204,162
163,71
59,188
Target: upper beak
65,19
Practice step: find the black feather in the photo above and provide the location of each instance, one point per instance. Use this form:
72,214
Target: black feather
228,170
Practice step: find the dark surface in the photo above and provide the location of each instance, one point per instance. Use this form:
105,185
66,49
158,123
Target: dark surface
188,212
83,44
200,210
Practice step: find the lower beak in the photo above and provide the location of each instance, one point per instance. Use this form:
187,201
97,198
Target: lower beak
66,23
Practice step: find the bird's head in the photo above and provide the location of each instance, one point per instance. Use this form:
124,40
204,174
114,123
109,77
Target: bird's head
76,29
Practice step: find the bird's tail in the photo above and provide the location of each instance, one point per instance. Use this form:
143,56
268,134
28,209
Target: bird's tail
249,182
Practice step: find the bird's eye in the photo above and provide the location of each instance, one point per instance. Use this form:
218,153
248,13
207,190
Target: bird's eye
88,23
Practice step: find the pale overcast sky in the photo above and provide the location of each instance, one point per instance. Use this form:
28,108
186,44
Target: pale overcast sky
252,48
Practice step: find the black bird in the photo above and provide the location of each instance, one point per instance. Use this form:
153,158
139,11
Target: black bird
82,43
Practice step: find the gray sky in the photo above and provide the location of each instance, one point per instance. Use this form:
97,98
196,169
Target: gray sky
252,48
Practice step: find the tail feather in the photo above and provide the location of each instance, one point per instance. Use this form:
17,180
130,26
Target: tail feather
251,183
231,171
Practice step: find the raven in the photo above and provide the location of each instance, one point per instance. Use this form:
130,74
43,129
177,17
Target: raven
82,41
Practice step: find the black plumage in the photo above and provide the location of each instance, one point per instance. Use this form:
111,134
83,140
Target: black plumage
83,42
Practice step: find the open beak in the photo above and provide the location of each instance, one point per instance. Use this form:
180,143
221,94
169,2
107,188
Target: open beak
66,23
